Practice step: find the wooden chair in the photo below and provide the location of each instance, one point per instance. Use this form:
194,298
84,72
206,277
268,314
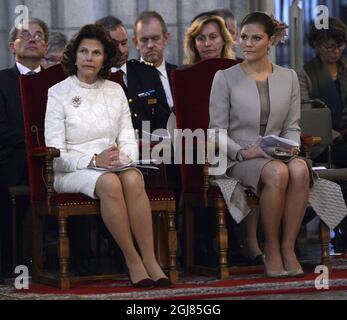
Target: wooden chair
44,200
191,91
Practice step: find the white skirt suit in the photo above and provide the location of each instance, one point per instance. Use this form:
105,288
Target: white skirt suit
83,120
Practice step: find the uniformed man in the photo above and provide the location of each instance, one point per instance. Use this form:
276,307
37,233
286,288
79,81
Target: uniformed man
140,81
151,36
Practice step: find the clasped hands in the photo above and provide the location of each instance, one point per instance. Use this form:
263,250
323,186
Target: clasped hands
111,158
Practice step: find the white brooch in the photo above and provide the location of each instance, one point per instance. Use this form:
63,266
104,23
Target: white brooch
76,101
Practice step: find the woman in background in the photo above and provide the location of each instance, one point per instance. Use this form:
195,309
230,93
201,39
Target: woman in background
206,38
325,77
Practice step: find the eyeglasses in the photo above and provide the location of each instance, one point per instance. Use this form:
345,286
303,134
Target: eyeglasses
26,36
333,48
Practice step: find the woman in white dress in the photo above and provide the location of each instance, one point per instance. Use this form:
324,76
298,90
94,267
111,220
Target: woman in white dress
88,120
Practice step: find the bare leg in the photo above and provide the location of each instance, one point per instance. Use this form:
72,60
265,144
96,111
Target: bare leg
274,178
294,211
115,216
250,245
140,216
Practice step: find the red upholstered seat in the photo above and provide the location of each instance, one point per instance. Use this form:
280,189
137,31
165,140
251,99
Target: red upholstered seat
160,195
72,199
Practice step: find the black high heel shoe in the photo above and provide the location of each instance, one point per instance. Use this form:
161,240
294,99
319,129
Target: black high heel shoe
146,283
162,283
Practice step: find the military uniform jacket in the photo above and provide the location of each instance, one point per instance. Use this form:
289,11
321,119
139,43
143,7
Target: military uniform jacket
146,96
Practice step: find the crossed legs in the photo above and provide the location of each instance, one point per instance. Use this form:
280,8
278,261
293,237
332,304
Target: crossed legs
125,210
283,199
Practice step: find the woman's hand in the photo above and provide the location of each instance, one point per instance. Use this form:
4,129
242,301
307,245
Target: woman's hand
254,152
111,158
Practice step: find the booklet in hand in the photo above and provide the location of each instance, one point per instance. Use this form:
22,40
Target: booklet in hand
144,163
277,147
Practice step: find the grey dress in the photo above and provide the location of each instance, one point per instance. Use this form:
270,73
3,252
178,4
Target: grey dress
248,172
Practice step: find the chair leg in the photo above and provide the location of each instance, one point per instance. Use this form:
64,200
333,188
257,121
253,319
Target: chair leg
189,237
324,238
159,236
63,254
172,247
222,240
37,243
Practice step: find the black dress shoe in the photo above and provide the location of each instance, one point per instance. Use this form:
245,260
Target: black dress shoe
143,284
163,283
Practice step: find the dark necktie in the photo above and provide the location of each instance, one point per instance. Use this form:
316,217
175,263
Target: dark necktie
119,77
30,73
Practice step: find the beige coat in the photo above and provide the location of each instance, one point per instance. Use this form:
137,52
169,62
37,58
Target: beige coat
235,106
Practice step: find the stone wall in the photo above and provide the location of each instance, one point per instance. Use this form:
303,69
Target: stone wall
69,15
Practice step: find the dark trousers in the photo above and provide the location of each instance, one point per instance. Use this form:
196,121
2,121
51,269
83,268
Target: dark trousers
5,231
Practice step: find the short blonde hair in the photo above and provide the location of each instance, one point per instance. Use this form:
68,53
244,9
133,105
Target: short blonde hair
191,53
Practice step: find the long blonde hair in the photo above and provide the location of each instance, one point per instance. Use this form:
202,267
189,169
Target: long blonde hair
191,53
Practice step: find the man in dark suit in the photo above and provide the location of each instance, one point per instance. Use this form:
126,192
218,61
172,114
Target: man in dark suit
28,44
150,38
140,81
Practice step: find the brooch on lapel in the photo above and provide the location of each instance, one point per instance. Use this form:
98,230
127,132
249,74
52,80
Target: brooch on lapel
76,101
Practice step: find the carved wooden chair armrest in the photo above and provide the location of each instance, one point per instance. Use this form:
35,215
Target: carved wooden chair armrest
47,155
307,143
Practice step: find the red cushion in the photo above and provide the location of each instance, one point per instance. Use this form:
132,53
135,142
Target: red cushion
72,199
65,199
160,195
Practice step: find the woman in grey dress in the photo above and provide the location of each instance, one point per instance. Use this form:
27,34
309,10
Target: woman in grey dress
257,98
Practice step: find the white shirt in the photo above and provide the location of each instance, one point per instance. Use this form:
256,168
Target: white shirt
165,81
24,70
124,69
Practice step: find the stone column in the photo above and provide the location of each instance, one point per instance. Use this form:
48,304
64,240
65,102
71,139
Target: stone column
40,9
168,10
5,55
127,12
73,14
